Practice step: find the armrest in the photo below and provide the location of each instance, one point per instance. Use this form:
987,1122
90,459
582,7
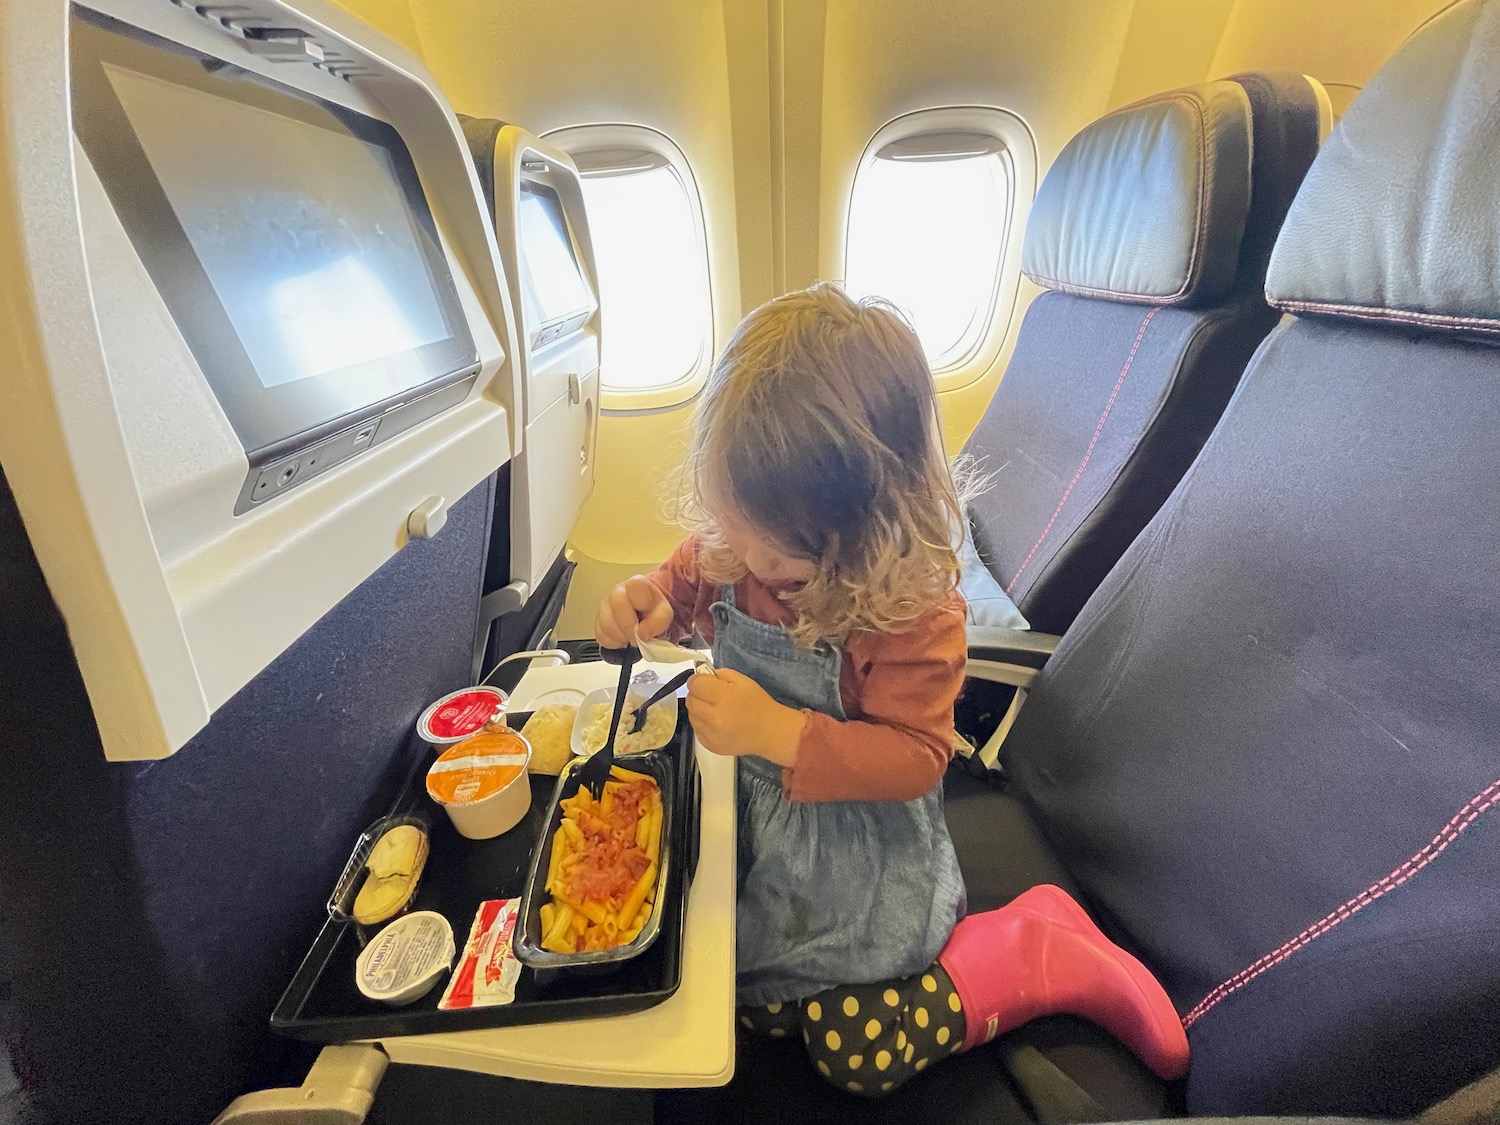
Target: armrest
1008,656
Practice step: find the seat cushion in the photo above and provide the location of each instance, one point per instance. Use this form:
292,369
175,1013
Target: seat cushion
1001,852
775,1083
986,600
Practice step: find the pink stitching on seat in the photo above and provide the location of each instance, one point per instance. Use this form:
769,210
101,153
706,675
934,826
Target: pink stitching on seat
1439,844
1390,316
1110,405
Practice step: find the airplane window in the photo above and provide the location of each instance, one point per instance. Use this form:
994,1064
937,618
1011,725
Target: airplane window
927,226
653,269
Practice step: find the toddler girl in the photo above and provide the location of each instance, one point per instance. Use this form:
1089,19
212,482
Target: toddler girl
823,574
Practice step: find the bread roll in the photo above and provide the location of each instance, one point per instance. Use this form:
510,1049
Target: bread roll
395,864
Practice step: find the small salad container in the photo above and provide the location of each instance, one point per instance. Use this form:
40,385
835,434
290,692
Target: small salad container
658,765
642,687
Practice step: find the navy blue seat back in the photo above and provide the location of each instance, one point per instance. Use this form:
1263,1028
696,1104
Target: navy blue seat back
1152,232
1269,750
151,913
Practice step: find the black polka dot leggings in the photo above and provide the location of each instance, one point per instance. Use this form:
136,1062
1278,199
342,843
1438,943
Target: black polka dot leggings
871,1038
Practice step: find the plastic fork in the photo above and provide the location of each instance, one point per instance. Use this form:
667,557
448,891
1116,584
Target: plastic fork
665,690
595,772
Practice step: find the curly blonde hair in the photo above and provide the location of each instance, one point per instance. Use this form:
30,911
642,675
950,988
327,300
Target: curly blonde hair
819,428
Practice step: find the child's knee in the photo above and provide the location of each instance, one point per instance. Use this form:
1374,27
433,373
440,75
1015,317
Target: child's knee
866,1059
860,1074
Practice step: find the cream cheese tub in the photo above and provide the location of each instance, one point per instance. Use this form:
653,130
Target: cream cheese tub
406,958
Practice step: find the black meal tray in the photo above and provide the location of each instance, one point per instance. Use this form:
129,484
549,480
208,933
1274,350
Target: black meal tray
323,1005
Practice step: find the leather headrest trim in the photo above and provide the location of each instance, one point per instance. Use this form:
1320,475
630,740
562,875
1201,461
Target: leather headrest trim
1397,220
1285,117
1148,203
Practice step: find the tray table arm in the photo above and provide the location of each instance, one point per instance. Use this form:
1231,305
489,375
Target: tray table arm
339,1090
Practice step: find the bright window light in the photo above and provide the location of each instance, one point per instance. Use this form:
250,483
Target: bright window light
927,233
653,277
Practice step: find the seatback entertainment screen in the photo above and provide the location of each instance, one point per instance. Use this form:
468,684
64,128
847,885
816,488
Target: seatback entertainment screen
289,237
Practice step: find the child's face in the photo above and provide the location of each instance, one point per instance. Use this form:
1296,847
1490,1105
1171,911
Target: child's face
763,557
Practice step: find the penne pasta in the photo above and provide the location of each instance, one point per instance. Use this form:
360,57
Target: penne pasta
603,869
556,938
653,834
632,904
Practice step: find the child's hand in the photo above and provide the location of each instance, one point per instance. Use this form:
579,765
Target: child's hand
733,715
634,604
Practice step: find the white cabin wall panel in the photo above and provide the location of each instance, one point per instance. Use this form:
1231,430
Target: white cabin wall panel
747,35
1169,43
544,65
1342,43
1052,65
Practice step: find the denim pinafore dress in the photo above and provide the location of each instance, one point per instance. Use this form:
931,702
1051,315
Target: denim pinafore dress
830,893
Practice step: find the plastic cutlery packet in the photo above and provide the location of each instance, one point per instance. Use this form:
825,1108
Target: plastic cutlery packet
659,651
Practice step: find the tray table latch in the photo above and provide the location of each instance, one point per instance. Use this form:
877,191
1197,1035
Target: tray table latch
339,1090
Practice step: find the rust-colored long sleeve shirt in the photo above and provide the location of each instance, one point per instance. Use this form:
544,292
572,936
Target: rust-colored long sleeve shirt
898,691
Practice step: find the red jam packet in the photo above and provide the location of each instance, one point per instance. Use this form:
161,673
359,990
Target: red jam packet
486,974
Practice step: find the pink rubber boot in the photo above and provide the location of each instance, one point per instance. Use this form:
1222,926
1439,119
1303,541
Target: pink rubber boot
1042,956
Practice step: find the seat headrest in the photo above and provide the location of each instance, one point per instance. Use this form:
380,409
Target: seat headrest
1287,125
1399,218
1148,203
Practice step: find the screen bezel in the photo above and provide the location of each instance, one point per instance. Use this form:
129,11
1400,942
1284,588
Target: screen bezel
545,331
269,420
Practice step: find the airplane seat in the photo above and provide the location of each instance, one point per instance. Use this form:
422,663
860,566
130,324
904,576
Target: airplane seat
1130,422
1264,755
1266,751
1151,233
154,911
